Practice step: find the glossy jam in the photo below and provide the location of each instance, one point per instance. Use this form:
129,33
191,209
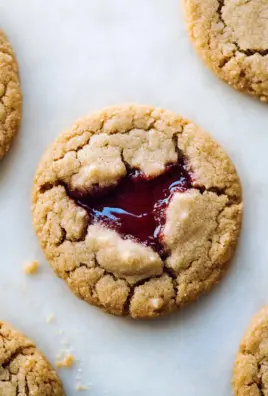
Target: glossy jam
136,207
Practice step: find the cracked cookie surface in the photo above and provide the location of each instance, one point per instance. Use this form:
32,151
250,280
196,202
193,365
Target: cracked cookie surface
10,95
24,371
200,224
250,376
232,38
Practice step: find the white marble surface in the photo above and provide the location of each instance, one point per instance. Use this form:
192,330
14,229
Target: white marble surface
79,55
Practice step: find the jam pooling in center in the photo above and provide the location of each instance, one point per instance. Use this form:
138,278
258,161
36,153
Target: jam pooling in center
136,206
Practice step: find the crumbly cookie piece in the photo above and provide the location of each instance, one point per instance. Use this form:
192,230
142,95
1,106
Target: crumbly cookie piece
10,95
23,369
31,267
186,208
250,377
67,361
232,38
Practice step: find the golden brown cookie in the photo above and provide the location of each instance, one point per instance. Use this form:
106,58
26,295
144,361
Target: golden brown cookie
250,376
10,95
23,369
232,38
137,209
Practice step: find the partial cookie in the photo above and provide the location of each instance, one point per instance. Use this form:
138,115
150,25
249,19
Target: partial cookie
137,209
23,369
10,95
232,38
250,376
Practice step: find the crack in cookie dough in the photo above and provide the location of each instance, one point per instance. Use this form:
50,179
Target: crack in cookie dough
250,376
248,51
115,272
24,371
232,38
10,95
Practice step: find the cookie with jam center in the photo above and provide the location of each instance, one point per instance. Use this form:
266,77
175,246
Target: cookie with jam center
10,95
250,377
231,36
137,209
23,368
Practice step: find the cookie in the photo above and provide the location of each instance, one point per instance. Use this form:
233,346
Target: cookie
250,376
10,95
232,38
23,369
137,209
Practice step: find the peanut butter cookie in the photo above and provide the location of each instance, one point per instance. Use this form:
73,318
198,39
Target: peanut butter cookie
23,369
137,209
251,365
10,95
232,38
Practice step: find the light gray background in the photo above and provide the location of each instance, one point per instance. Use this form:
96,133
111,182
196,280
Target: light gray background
78,56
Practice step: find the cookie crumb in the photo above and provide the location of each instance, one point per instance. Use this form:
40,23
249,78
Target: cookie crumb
67,361
50,318
80,387
31,267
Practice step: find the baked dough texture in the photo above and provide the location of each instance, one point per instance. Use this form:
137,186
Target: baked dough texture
250,376
10,95
123,276
232,38
24,371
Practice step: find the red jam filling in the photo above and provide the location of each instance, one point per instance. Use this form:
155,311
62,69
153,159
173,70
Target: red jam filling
136,206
